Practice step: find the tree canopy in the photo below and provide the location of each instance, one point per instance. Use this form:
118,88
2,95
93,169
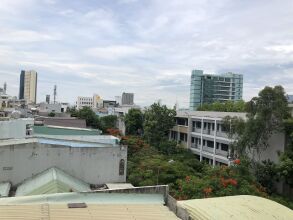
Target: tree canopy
265,115
229,106
158,120
134,122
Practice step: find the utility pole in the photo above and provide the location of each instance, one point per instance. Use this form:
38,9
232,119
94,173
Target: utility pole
55,93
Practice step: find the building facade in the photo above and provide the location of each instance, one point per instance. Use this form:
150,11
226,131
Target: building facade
208,88
204,134
127,98
15,128
88,160
28,86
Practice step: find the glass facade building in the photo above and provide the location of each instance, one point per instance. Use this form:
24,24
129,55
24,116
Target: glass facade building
209,88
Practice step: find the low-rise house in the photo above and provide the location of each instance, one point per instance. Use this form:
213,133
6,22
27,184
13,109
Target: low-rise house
93,160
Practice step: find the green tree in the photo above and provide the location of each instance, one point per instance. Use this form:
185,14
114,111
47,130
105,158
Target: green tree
158,120
266,114
90,117
51,114
109,121
134,122
228,106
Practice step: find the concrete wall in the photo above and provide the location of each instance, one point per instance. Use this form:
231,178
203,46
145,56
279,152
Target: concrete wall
15,128
94,165
276,143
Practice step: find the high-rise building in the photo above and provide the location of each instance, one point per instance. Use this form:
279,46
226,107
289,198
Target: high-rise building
127,98
209,88
48,99
28,86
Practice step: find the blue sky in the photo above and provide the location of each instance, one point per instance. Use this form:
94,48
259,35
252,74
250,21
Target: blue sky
144,46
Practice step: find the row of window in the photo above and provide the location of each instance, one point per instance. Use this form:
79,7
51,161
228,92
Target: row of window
208,126
207,143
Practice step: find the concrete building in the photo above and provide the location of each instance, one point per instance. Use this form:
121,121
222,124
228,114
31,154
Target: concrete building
84,102
127,98
209,88
86,159
28,86
7,102
15,128
45,107
204,134
92,102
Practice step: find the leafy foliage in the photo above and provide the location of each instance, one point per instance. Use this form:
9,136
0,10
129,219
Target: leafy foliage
158,120
107,122
51,114
266,114
134,122
229,106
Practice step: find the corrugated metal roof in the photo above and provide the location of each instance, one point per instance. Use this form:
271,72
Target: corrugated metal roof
52,180
103,212
4,189
236,207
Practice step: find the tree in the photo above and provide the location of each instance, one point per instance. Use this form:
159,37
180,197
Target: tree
134,121
266,114
90,117
51,114
228,106
108,122
158,120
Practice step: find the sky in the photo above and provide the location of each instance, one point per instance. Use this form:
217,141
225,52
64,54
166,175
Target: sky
147,47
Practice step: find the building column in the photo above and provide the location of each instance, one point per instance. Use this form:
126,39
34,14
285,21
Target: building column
189,130
201,140
215,134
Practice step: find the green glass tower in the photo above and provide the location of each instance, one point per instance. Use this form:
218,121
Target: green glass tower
209,88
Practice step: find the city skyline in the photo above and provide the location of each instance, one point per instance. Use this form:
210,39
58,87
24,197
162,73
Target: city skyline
145,47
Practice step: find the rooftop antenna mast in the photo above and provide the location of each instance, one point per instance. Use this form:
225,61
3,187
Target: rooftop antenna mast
55,93
5,87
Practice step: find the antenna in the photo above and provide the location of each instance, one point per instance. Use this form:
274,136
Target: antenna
55,93
5,87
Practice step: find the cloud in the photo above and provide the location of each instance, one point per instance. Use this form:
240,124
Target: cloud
147,47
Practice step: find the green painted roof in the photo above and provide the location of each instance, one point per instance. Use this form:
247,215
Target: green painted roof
50,181
55,130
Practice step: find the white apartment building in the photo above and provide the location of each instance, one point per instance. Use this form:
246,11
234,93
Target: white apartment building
204,134
92,102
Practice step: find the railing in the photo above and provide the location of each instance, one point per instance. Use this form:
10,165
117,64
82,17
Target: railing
208,149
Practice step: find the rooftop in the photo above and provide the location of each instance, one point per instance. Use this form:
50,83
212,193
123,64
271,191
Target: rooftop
236,207
210,114
49,181
60,140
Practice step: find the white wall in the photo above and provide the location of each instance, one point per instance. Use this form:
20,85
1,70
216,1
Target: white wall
14,128
94,165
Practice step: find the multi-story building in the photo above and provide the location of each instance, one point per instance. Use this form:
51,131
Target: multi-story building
127,98
92,102
209,88
204,134
28,86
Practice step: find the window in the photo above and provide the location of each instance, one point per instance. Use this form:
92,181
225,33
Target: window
198,124
217,145
210,144
183,137
121,167
193,140
224,147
